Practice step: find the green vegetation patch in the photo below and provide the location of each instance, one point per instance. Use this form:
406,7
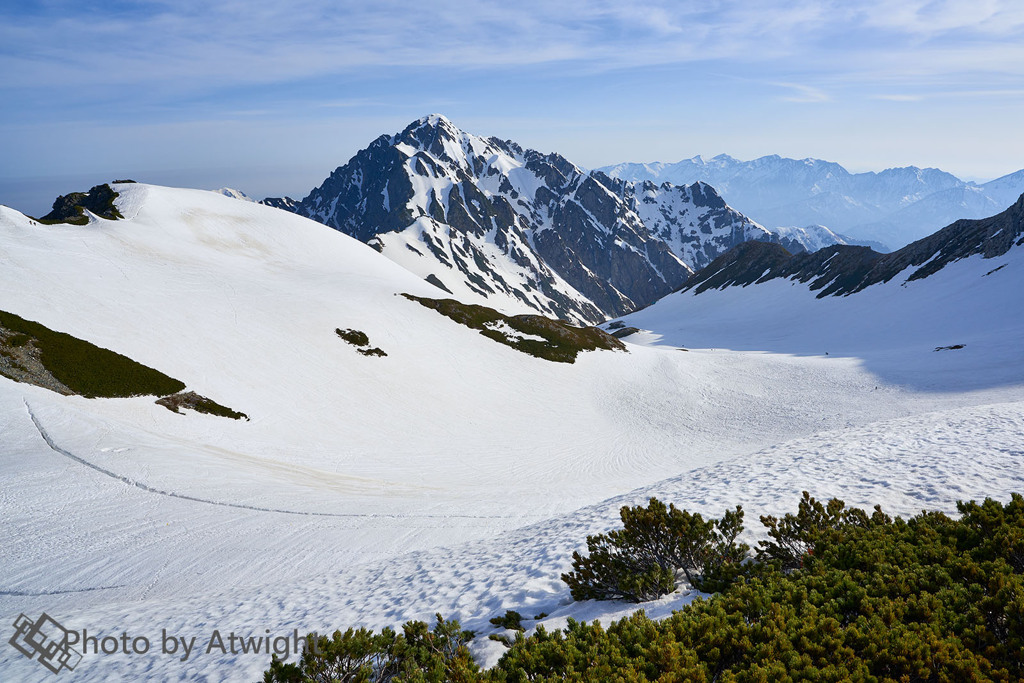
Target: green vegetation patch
361,341
534,335
835,594
354,337
70,208
17,340
418,654
84,368
511,620
200,404
655,548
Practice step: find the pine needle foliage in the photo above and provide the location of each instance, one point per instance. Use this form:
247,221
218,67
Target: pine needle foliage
643,560
872,600
420,654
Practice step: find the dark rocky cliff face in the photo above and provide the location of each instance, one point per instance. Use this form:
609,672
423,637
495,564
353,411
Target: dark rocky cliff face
366,196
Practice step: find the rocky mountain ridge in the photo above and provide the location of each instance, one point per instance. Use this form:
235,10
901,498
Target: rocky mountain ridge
491,222
841,270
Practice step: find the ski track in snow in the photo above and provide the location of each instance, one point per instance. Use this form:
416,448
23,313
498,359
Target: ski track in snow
139,485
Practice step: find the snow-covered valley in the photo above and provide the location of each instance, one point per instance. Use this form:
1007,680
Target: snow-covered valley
455,474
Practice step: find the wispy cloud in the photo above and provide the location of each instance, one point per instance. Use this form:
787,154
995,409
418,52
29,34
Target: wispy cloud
195,46
222,42
1006,93
803,93
933,18
898,98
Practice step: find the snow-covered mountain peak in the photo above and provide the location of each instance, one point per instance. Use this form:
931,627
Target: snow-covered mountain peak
432,125
434,120
445,149
809,238
521,230
235,194
439,136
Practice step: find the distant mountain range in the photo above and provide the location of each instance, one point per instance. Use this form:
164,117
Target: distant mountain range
892,207
491,222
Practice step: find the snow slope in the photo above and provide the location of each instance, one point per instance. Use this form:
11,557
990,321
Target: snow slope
453,475
893,327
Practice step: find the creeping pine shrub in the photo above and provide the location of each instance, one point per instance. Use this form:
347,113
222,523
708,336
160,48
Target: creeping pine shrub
642,561
419,655
997,531
877,599
512,621
793,537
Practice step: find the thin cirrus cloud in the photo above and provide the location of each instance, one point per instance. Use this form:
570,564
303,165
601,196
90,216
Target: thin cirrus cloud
190,45
898,98
803,93
931,18
734,76
1011,93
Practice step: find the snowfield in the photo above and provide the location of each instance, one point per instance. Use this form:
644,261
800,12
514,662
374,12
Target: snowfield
455,475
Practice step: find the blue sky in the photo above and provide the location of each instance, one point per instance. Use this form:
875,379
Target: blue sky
269,97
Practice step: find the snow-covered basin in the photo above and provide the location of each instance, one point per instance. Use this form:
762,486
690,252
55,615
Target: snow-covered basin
453,475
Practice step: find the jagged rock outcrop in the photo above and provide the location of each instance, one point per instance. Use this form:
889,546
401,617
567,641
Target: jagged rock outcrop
283,203
70,208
